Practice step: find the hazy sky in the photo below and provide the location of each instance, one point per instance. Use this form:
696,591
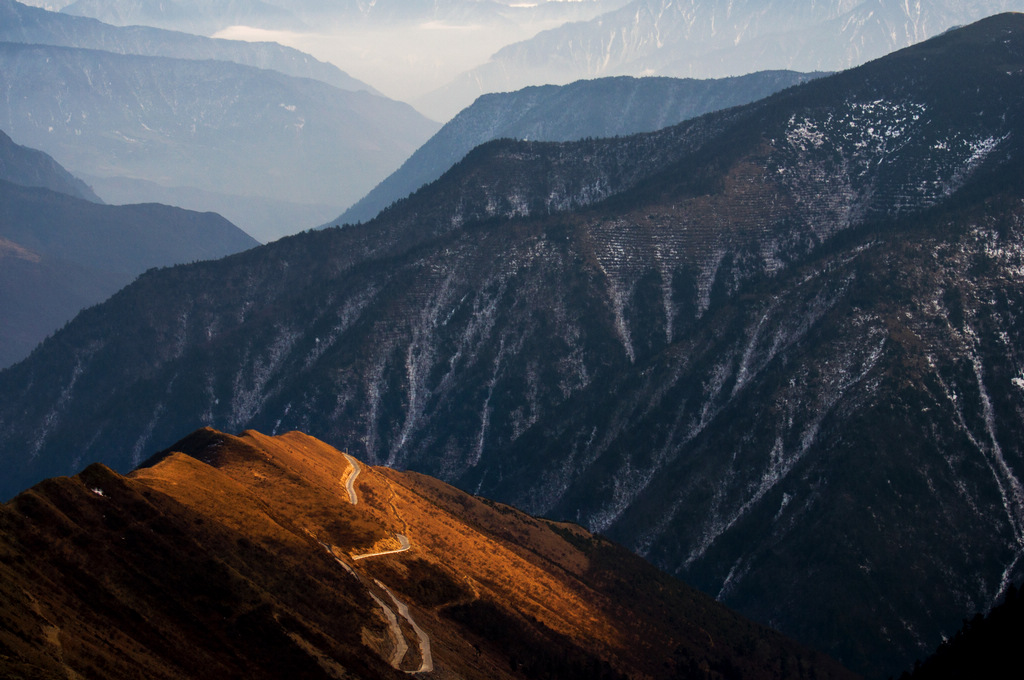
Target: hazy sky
402,60
405,61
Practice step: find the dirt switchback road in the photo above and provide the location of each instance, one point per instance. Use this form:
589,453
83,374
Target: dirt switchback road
403,542
350,482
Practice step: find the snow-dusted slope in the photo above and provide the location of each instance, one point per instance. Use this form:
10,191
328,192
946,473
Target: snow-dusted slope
714,38
603,107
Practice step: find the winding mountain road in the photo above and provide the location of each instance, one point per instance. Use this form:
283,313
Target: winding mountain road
394,628
426,658
403,543
350,481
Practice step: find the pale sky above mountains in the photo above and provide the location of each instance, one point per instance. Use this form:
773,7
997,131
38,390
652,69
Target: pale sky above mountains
406,61
402,60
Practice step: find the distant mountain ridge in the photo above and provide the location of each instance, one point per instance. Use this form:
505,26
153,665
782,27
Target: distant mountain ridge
271,557
777,349
605,107
713,39
249,134
21,23
404,47
33,168
206,17
61,253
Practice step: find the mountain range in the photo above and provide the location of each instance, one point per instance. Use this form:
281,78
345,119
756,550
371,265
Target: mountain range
61,254
243,133
24,24
275,151
776,349
271,557
603,107
61,250
711,39
404,47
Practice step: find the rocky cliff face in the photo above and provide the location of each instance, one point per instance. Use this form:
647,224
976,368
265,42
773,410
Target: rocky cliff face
775,350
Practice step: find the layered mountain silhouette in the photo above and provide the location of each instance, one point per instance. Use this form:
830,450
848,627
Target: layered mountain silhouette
712,39
61,251
775,349
271,557
33,168
604,107
275,153
405,47
23,24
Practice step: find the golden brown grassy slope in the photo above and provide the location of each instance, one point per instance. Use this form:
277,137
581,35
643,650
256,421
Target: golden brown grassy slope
244,557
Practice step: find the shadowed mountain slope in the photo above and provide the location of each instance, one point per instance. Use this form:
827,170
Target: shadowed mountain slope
985,647
269,557
60,254
32,168
775,349
605,107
